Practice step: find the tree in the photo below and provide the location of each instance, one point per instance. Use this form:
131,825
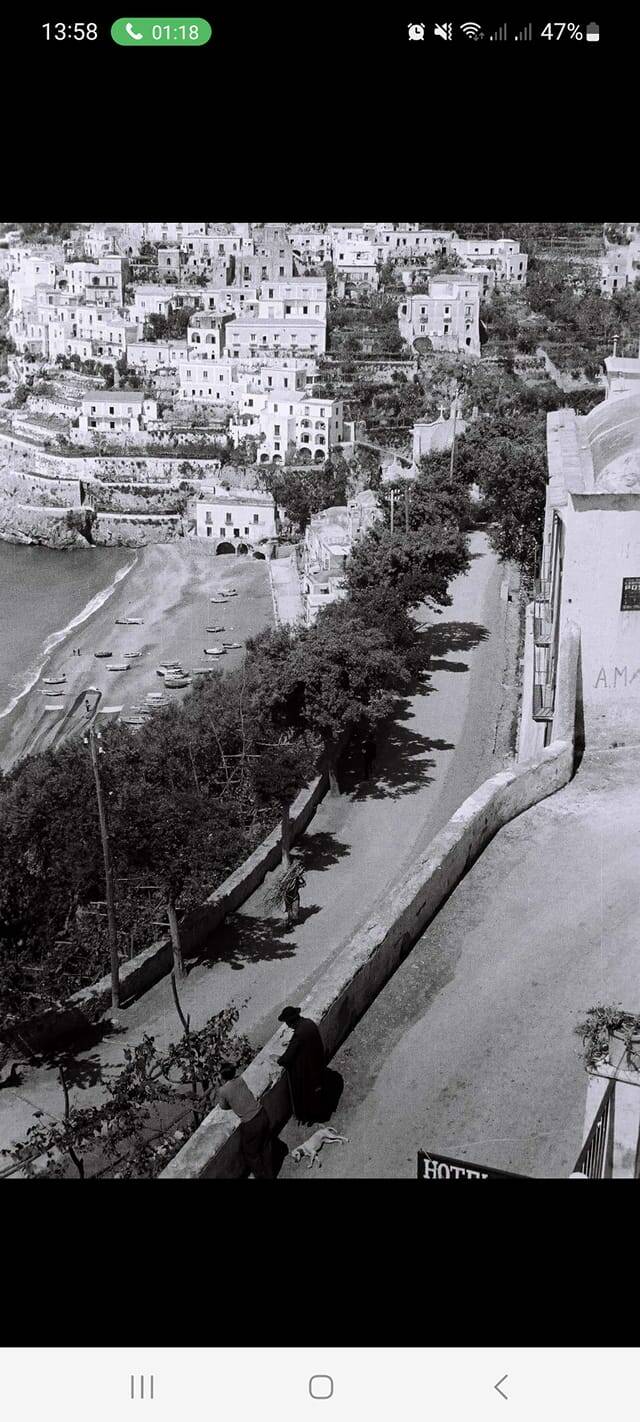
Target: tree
405,569
440,494
508,461
323,681
134,1127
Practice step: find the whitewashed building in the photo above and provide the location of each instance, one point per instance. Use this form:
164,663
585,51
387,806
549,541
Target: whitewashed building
448,314
234,520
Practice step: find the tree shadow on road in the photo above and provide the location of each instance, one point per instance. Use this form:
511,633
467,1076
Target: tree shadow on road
321,850
442,637
241,940
402,764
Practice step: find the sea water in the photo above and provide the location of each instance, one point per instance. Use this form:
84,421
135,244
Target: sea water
43,593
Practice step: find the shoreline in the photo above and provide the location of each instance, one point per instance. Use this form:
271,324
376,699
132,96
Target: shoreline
168,587
55,638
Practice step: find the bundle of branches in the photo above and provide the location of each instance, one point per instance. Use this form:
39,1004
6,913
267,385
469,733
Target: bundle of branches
285,885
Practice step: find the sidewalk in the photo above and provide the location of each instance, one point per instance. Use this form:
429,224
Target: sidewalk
286,590
429,760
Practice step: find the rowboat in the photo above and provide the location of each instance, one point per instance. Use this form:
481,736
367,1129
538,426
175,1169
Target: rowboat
129,622
214,651
103,654
228,645
214,629
216,599
173,669
57,707
201,671
119,666
54,680
176,682
51,691
132,654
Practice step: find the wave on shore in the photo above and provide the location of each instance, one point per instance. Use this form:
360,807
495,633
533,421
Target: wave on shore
55,638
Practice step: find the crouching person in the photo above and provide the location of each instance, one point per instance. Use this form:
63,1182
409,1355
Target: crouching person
255,1127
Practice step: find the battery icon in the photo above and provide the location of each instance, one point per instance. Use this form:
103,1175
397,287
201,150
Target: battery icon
593,34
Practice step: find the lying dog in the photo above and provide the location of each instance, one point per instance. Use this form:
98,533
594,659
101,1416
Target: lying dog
309,1150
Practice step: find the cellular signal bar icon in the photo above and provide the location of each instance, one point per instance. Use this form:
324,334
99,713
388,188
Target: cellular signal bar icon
526,33
500,34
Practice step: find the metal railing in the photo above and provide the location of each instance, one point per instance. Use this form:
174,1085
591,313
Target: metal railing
596,1157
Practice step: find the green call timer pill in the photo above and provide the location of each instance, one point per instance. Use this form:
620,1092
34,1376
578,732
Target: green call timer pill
158,32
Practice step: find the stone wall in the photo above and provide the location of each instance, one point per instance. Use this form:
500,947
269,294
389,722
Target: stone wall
355,978
35,490
28,523
130,498
128,530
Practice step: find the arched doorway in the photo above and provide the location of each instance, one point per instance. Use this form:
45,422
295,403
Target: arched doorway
225,548
242,548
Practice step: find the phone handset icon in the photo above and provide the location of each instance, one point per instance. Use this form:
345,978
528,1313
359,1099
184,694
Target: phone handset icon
132,33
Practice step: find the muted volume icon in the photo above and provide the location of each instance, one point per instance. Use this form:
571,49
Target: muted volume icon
593,33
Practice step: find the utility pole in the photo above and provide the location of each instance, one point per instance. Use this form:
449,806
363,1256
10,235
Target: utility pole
406,508
108,871
453,442
392,499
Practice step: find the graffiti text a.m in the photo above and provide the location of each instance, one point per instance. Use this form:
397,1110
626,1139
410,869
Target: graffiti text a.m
617,676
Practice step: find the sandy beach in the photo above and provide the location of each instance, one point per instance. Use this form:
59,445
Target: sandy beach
169,587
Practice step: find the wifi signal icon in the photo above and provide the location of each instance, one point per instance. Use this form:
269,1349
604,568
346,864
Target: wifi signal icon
472,30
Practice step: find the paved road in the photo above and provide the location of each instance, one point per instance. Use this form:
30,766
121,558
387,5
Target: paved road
470,1049
356,846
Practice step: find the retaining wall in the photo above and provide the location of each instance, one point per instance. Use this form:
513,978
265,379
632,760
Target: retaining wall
353,981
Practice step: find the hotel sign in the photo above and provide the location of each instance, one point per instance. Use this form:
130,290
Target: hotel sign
630,595
444,1167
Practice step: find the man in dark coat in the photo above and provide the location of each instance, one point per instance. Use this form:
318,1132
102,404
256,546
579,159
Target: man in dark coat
303,1061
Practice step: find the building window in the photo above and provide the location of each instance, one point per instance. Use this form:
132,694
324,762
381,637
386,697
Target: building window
236,532
246,530
228,518
630,601
256,519
209,533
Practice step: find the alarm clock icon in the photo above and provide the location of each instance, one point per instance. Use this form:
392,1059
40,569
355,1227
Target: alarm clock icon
416,32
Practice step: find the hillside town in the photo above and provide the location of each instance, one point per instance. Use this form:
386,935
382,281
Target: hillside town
321,678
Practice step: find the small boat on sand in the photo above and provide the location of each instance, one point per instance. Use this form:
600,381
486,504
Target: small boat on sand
133,654
56,707
214,651
119,666
214,629
216,599
54,680
129,622
169,669
177,682
201,671
231,592
228,645
51,691
103,654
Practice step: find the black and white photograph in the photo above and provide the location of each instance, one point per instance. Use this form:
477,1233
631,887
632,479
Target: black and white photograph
319,697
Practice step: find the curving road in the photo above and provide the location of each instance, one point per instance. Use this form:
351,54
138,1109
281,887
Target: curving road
357,844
